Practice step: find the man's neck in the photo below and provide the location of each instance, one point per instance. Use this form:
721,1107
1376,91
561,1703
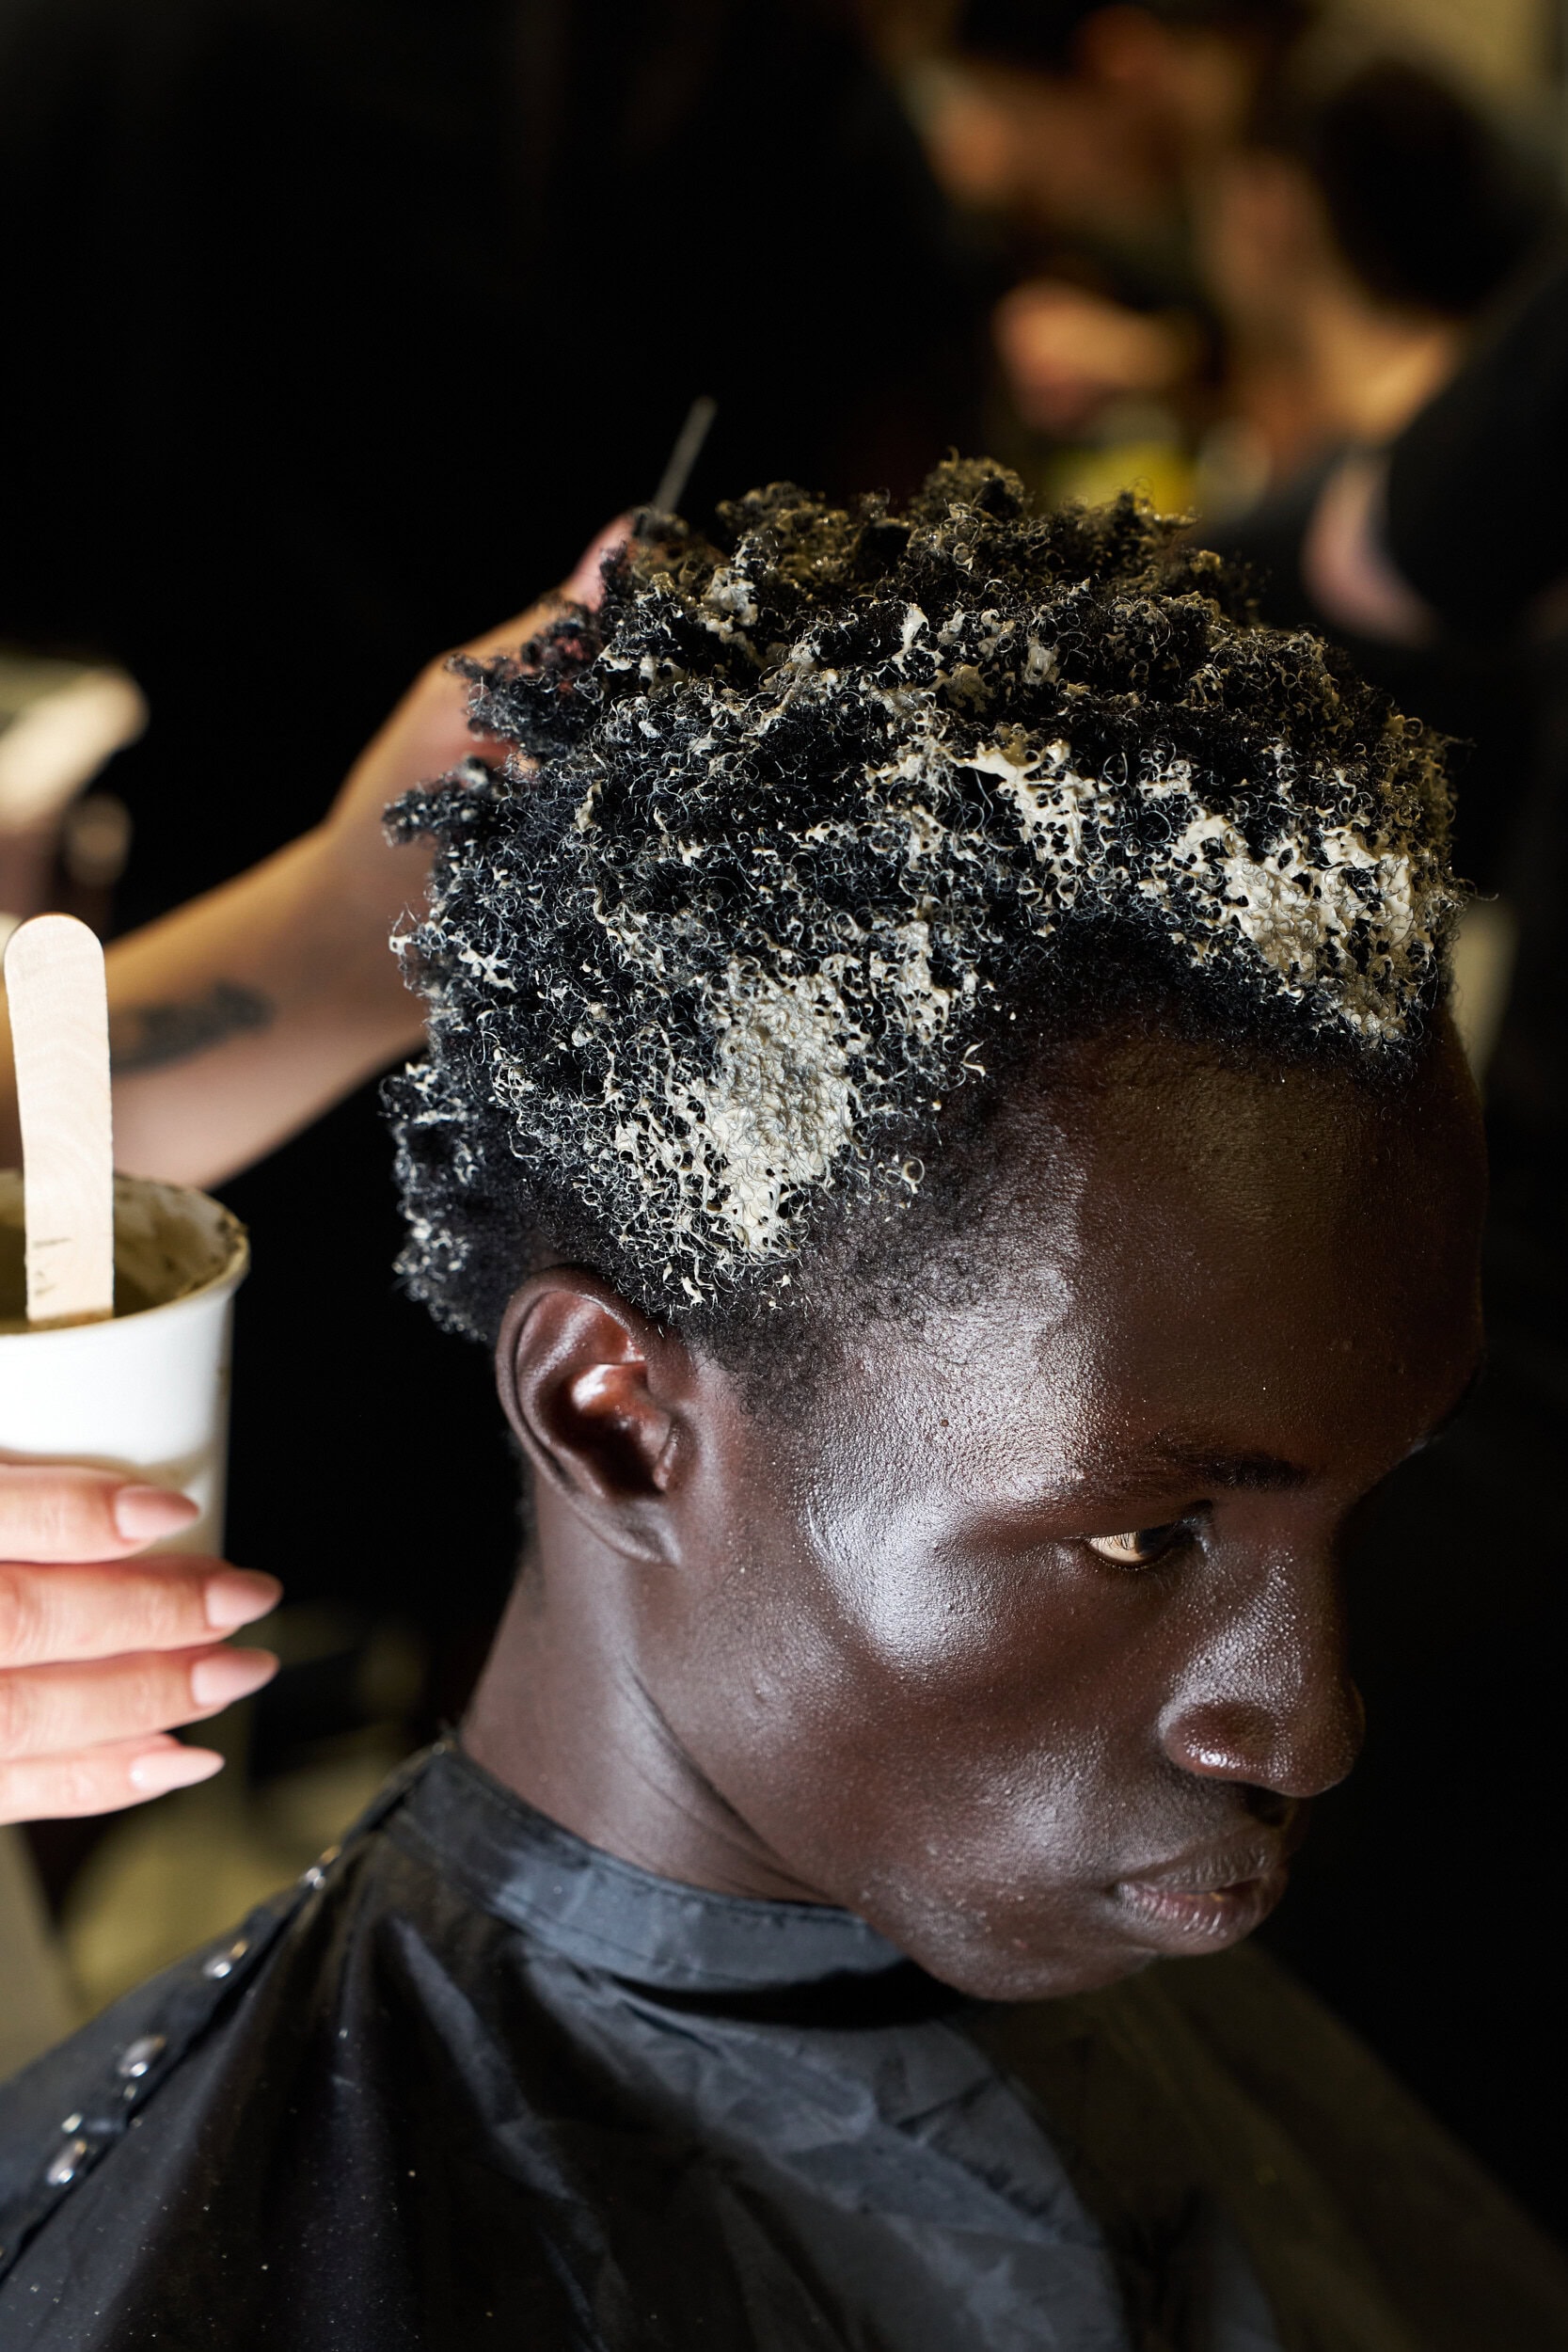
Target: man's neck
562,1716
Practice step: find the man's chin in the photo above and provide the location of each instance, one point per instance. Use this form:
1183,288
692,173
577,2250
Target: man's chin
1080,1940
1024,1969
1010,1977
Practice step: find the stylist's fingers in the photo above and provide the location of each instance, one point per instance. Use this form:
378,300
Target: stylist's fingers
584,584
59,1615
48,1513
48,1711
102,1779
429,734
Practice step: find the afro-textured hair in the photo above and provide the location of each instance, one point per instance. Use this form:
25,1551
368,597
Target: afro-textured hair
797,825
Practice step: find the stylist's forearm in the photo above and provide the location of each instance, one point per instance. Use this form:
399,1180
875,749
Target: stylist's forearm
243,1016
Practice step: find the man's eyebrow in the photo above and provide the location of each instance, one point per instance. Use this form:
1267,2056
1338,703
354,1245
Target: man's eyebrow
1205,1467
1268,1472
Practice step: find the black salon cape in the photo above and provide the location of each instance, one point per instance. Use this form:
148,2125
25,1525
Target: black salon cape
475,2082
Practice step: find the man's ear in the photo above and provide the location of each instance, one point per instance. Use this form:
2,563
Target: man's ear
598,1396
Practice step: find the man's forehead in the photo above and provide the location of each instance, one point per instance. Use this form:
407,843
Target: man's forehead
1234,1329
1135,1145
1029,1411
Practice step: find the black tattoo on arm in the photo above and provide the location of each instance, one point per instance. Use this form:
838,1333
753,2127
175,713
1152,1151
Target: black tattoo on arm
150,1037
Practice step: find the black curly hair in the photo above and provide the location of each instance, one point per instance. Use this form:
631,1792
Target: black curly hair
811,836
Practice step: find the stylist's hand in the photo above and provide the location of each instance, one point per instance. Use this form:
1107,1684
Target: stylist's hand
429,734
101,1650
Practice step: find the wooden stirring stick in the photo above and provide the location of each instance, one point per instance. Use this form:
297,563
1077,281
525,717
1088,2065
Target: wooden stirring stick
60,1032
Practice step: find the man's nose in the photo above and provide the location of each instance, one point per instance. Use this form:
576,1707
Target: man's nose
1270,1702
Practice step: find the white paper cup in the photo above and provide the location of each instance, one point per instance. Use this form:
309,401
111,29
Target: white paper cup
147,1393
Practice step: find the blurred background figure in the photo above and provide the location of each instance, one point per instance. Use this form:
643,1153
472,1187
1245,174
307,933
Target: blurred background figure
1367,216
333,333
1354,243
1241,231
1085,137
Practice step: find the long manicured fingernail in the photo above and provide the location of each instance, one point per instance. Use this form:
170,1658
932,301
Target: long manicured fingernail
230,1674
142,1514
174,1767
238,1595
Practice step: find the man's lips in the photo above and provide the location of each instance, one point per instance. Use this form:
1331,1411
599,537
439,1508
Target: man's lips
1204,1901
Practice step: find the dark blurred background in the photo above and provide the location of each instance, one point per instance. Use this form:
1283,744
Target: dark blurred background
334,330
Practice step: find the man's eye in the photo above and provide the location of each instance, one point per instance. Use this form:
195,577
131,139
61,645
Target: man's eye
1136,1550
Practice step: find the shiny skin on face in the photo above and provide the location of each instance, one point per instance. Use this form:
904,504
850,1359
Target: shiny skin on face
1027,1644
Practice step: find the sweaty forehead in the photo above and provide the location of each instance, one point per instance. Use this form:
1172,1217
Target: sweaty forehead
1181,1242
1177,1146
1160,1153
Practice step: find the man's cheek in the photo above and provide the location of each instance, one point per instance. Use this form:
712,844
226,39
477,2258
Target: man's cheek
908,1603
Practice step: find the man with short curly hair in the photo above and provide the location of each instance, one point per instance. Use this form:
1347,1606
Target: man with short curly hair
940,1095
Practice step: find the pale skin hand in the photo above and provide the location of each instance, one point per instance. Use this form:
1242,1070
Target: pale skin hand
103,1648
244,1015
